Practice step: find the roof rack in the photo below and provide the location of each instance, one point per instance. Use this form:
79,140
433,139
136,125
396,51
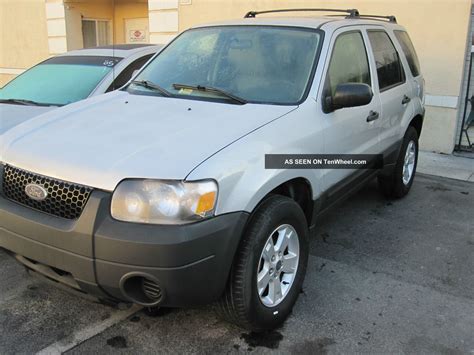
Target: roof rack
371,17
351,13
378,17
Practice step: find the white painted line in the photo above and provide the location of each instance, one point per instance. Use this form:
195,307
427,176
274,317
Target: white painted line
84,334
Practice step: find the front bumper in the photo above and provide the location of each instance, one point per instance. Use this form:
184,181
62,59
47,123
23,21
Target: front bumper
190,263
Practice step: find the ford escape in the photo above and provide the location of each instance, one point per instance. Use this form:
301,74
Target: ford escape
157,194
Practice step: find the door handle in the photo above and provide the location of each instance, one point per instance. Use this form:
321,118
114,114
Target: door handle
405,100
373,115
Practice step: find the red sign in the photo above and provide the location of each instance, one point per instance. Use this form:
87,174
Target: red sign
137,36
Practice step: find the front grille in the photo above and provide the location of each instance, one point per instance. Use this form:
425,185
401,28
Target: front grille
64,199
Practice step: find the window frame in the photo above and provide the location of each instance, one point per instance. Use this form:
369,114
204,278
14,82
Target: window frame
145,57
402,67
330,56
97,20
309,84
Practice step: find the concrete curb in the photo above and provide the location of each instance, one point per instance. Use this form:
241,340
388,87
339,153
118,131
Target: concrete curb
448,166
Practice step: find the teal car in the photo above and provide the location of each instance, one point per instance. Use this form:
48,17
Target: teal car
68,78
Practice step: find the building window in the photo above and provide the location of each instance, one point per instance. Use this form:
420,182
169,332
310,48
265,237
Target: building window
95,33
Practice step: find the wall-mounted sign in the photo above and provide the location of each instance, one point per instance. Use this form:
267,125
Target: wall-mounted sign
137,36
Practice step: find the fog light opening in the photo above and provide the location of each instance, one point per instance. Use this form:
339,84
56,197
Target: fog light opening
142,289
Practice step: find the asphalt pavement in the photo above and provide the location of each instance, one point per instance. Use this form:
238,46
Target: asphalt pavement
383,277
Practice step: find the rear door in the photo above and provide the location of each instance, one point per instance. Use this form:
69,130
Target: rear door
394,89
412,62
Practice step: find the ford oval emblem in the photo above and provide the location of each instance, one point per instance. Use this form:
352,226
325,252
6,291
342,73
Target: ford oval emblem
36,192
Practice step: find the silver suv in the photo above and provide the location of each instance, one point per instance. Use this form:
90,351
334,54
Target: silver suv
200,179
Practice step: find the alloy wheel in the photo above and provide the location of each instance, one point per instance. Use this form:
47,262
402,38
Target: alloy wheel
278,265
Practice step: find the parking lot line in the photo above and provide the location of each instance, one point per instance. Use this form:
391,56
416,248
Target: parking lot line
82,335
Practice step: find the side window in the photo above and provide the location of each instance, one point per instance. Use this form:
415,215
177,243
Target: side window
409,51
389,69
127,73
349,63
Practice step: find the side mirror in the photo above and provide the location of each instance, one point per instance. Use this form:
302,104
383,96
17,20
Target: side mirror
349,95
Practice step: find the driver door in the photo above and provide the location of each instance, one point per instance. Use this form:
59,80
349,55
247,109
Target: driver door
350,130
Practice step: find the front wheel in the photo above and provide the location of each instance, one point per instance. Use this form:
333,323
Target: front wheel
269,267
399,182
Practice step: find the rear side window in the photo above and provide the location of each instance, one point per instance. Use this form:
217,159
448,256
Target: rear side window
389,69
349,63
409,51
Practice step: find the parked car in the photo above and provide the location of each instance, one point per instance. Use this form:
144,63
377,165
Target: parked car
157,194
68,78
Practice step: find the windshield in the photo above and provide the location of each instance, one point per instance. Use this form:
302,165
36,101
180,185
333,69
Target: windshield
258,64
59,80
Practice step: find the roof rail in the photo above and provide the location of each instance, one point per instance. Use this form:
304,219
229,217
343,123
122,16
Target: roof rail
352,13
370,17
378,17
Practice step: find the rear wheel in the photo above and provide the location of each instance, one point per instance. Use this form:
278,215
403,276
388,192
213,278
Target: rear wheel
269,267
399,182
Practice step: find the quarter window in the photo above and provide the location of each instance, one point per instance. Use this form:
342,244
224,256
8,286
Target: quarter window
348,64
127,73
389,69
409,51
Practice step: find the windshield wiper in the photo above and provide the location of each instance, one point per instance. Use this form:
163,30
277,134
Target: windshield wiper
26,102
150,85
213,90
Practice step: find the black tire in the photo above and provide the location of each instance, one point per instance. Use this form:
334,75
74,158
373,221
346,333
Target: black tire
393,185
241,303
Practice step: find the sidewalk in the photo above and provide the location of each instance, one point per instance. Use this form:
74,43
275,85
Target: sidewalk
448,166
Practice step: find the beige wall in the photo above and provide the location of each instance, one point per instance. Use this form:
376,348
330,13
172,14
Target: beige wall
77,10
125,11
116,12
23,36
92,9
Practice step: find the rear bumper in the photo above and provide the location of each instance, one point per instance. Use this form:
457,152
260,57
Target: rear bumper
190,263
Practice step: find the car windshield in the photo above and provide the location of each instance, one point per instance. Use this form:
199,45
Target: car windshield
237,64
59,80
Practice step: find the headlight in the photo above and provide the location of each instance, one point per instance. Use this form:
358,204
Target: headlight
164,202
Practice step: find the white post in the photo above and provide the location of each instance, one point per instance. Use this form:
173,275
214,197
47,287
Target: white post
56,24
163,19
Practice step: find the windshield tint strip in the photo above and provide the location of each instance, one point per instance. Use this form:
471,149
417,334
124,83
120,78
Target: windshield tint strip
85,60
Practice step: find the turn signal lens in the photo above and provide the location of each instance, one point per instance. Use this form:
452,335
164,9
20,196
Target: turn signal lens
206,203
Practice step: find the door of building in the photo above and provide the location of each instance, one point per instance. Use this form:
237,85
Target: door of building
466,138
466,126
136,30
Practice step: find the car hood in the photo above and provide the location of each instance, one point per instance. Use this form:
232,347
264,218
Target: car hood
12,115
107,138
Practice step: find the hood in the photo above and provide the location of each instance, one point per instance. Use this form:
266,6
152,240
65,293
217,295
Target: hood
12,115
107,138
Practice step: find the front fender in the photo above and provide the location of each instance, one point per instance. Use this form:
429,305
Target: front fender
240,170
